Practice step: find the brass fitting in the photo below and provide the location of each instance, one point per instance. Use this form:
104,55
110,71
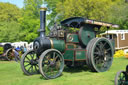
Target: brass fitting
51,43
43,8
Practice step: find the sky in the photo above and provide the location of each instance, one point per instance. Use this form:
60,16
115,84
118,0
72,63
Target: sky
18,3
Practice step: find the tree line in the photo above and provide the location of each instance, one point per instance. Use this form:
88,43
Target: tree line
21,24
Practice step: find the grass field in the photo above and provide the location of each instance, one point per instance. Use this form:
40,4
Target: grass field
11,74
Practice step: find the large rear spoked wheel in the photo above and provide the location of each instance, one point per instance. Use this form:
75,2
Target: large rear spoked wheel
51,64
99,54
29,63
120,78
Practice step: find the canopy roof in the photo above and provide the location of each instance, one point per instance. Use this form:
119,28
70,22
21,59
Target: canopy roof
77,22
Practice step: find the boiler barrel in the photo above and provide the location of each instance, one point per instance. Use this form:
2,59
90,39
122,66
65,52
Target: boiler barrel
58,44
42,44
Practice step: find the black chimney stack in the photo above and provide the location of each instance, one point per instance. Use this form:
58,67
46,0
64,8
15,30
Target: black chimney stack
42,43
42,21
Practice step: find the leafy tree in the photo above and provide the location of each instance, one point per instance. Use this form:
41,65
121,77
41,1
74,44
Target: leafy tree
119,14
9,12
9,31
92,9
9,27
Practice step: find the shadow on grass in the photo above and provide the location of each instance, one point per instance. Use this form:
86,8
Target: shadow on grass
41,77
72,70
31,74
76,69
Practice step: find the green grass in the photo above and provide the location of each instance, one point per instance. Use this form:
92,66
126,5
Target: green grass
11,74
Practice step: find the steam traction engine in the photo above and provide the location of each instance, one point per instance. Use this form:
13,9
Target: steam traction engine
62,47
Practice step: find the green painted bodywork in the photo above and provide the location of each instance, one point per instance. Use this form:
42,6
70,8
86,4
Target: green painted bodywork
74,55
72,38
70,46
80,55
58,44
69,55
86,33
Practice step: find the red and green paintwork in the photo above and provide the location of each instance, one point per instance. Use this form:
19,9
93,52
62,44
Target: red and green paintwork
70,46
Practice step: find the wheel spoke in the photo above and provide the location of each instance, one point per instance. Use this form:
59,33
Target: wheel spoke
32,56
27,61
54,55
26,65
29,68
27,58
97,48
55,58
108,49
96,58
97,53
101,46
48,57
104,44
32,68
35,68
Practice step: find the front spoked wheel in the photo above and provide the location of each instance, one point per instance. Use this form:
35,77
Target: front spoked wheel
29,63
51,64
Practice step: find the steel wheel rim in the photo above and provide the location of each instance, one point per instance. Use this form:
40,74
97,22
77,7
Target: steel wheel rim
30,63
89,46
102,55
52,64
9,54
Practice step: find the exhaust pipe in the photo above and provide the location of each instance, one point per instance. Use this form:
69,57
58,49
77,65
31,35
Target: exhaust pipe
42,21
